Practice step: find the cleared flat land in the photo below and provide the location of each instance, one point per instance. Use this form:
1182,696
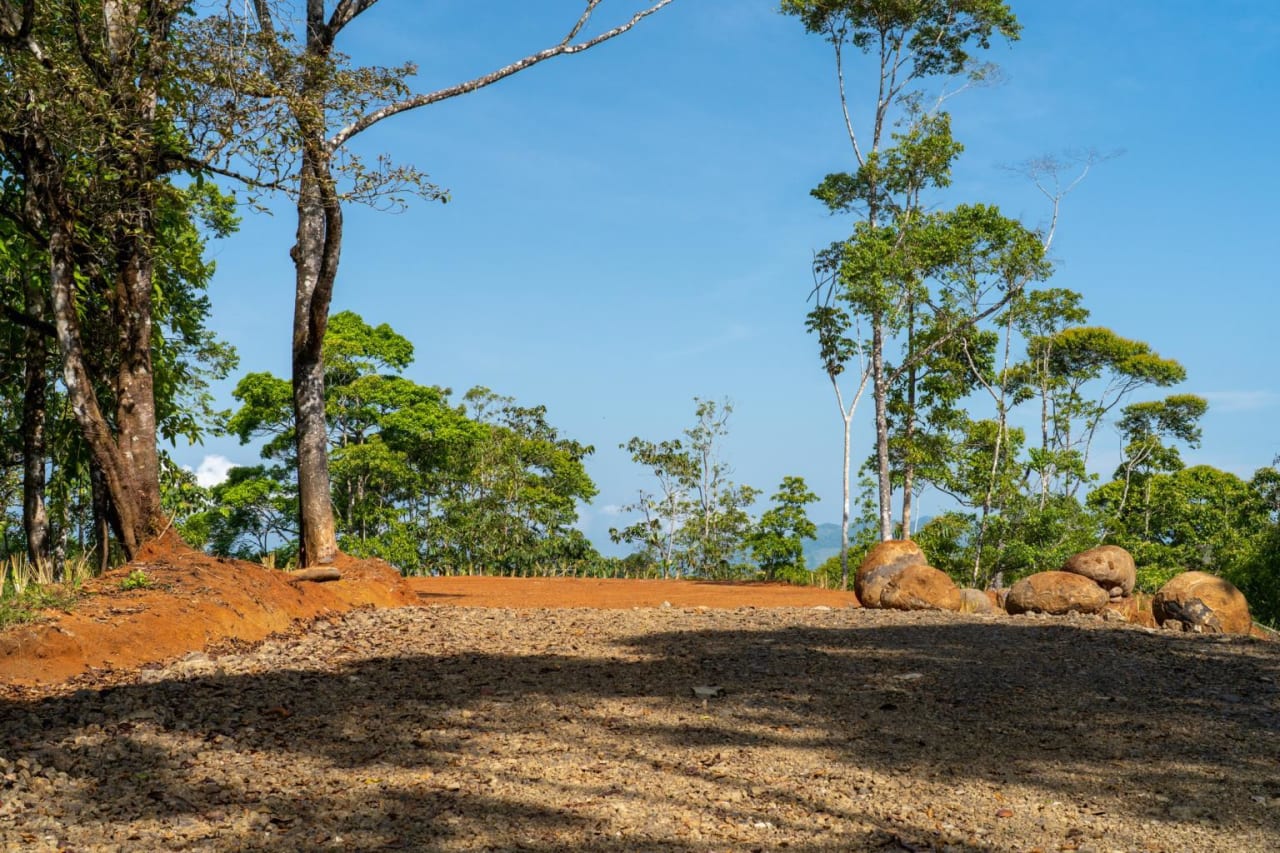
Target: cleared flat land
457,728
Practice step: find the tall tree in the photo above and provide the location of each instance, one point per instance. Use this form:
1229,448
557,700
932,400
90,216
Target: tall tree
27,353
86,124
831,323
302,105
895,246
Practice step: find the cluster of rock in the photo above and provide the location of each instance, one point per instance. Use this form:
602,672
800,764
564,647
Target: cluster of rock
895,575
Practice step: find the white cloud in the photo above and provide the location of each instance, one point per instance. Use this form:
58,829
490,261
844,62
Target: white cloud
1240,401
213,470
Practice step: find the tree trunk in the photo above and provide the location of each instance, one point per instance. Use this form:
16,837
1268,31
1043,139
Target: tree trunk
1002,426
100,505
125,451
1044,428
135,503
136,437
909,426
844,516
35,519
315,258
881,393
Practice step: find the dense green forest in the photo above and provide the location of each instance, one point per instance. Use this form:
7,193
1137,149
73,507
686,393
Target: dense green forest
121,138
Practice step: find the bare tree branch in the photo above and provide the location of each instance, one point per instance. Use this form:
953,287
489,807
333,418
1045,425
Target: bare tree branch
844,101
582,21
565,48
247,180
346,12
1046,173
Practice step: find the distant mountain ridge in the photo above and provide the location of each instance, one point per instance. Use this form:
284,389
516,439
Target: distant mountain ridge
827,544
824,547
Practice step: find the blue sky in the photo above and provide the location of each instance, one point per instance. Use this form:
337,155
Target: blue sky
631,228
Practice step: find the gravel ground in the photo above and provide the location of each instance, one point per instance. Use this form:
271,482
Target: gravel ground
446,728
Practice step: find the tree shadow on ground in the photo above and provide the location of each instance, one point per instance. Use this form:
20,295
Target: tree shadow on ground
441,746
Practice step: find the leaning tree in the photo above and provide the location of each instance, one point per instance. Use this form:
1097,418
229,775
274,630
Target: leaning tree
281,107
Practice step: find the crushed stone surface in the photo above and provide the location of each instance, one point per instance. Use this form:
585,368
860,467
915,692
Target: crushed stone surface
666,728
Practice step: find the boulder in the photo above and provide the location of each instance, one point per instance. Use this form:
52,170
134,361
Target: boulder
1203,603
920,587
1134,609
976,601
1109,566
882,562
1056,593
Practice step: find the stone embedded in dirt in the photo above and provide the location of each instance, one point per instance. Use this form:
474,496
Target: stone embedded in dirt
1109,566
1203,603
1056,593
976,601
882,562
920,587
322,574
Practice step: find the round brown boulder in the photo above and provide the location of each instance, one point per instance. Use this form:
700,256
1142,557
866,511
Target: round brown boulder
1056,593
920,587
976,601
882,562
1203,603
1109,566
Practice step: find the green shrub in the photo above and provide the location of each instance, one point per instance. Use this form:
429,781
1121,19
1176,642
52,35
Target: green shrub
136,579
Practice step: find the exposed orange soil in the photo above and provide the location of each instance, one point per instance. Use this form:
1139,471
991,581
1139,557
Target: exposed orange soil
194,602
620,594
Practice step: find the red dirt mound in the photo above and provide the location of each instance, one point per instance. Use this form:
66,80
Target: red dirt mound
191,601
